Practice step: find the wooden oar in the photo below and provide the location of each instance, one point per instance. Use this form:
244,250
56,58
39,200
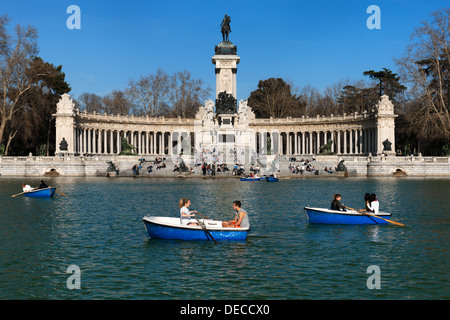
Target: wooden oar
22,192
369,214
202,216
60,192
206,231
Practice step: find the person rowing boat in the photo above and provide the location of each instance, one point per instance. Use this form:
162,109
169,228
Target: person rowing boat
185,214
336,203
26,187
42,185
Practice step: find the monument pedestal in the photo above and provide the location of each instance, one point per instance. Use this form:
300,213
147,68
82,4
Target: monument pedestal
226,61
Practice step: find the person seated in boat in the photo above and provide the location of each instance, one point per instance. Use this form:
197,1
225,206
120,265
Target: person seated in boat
42,185
336,203
374,205
26,187
185,214
241,220
367,203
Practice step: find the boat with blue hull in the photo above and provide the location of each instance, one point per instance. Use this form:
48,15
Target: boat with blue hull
41,193
251,179
171,228
271,179
327,216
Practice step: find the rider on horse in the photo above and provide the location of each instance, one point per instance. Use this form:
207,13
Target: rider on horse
225,27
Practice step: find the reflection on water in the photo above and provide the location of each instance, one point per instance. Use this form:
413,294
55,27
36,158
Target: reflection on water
98,227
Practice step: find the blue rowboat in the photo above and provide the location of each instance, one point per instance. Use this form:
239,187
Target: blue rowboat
41,193
171,228
251,179
271,179
326,216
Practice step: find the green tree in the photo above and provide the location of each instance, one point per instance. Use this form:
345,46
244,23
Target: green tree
388,82
34,124
356,98
274,98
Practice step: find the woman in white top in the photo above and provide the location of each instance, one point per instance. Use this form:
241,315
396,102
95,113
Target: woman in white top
26,188
374,205
185,214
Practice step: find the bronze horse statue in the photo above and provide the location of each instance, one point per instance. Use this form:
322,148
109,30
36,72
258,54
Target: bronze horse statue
225,28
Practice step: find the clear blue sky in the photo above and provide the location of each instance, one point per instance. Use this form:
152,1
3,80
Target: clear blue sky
307,42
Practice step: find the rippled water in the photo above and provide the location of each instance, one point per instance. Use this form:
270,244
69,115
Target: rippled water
97,226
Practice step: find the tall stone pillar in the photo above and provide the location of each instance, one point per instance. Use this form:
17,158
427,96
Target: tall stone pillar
385,135
226,61
65,124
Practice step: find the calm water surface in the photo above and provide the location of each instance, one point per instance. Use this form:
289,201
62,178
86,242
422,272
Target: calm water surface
97,226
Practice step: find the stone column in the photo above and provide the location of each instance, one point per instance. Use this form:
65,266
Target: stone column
119,142
139,142
111,146
351,142
345,141
338,138
303,143
99,141
332,139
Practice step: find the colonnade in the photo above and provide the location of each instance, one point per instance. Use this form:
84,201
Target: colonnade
103,141
308,142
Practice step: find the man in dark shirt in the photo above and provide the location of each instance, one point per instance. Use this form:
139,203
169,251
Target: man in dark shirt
42,185
336,203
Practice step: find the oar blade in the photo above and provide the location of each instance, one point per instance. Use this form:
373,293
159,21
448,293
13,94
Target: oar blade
373,215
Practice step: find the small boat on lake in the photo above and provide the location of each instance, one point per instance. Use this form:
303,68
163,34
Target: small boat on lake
327,216
252,179
171,228
40,193
271,179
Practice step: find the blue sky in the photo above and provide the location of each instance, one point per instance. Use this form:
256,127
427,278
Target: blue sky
305,42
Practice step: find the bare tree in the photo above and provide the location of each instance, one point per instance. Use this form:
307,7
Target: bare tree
91,102
117,102
309,95
16,53
149,94
425,66
186,95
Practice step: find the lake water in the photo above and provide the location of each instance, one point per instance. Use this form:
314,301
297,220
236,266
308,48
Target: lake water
97,226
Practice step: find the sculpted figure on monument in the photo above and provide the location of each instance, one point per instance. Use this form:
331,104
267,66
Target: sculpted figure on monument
209,110
341,166
387,145
225,28
63,145
326,148
225,103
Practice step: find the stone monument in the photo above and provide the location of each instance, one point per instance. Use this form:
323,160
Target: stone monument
226,60
385,126
223,126
65,125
